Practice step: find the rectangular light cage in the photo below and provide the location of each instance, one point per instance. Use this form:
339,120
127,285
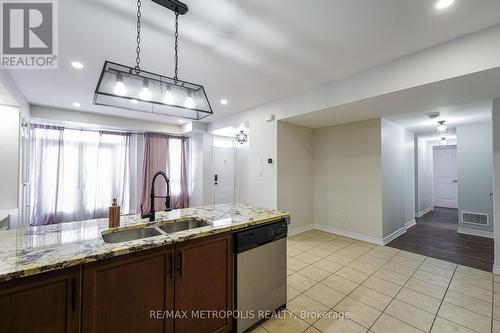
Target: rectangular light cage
124,87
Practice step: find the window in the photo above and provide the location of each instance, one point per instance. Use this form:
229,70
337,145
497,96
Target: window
77,173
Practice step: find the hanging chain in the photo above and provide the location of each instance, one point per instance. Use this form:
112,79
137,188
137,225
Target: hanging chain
138,39
176,59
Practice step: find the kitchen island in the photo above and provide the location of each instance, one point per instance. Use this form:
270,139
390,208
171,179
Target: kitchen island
86,284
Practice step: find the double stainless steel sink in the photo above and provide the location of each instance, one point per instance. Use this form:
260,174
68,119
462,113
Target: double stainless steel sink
120,236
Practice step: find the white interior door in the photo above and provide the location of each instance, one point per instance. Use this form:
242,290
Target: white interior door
445,177
223,174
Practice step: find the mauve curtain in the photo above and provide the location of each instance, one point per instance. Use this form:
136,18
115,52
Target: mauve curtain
169,154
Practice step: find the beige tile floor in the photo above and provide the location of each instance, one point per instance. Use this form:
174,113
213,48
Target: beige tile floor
383,289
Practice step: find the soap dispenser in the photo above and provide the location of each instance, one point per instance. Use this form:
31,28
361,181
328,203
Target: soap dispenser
114,214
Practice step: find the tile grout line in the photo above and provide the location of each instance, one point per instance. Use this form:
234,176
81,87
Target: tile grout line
444,296
303,293
331,309
370,249
393,298
359,284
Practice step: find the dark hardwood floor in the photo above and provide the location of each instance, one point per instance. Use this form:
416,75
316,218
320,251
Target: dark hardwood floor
435,235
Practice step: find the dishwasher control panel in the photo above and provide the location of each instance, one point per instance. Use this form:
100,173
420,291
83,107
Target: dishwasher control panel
259,235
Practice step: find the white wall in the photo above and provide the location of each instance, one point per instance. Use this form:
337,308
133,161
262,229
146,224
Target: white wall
196,170
397,187
472,53
295,174
425,174
88,119
409,176
242,172
347,179
475,173
9,161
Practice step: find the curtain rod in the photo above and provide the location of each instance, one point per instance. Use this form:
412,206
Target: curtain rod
75,128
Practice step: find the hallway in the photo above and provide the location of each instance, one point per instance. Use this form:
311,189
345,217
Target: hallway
435,235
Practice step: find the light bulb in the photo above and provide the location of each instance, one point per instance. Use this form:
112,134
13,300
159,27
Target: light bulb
120,88
168,97
146,94
442,4
189,103
442,127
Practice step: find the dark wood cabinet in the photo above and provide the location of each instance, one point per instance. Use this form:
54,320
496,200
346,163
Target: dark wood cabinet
129,293
203,284
49,302
139,292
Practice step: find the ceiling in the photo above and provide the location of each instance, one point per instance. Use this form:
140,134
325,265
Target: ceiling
6,98
470,113
247,51
467,96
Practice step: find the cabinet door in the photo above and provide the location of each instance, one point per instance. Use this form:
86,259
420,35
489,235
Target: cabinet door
203,282
129,293
48,302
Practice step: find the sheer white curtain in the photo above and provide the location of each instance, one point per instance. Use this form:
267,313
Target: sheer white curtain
77,173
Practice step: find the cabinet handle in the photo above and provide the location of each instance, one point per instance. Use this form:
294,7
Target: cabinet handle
180,264
73,295
171,263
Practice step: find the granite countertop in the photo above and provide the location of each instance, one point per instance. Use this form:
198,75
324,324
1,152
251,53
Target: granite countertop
33,250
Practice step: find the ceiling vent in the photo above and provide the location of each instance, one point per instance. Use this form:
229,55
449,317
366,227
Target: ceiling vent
475,218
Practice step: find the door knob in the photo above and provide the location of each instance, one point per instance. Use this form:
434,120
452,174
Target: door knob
455,181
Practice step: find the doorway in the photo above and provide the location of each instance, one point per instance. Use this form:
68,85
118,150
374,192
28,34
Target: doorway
453,158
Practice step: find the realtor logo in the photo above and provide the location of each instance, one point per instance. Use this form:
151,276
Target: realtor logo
29,34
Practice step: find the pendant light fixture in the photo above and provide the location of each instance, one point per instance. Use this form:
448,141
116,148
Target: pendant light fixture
135,89
241,137
442,127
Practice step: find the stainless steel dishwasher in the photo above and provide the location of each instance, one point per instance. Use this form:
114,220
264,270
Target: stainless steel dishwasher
260,272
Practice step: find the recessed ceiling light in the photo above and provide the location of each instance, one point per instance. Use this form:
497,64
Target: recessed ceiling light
76,105
180,121
134,101
77,64
443,4
223,101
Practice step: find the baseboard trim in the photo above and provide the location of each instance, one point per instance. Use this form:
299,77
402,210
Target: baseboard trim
301,229
394,235
410,224
473,232
423,212
349,234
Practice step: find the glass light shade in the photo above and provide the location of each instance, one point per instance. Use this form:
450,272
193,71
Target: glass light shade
122,87
442,128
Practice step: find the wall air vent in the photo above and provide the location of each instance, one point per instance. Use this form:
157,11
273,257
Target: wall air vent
475,218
